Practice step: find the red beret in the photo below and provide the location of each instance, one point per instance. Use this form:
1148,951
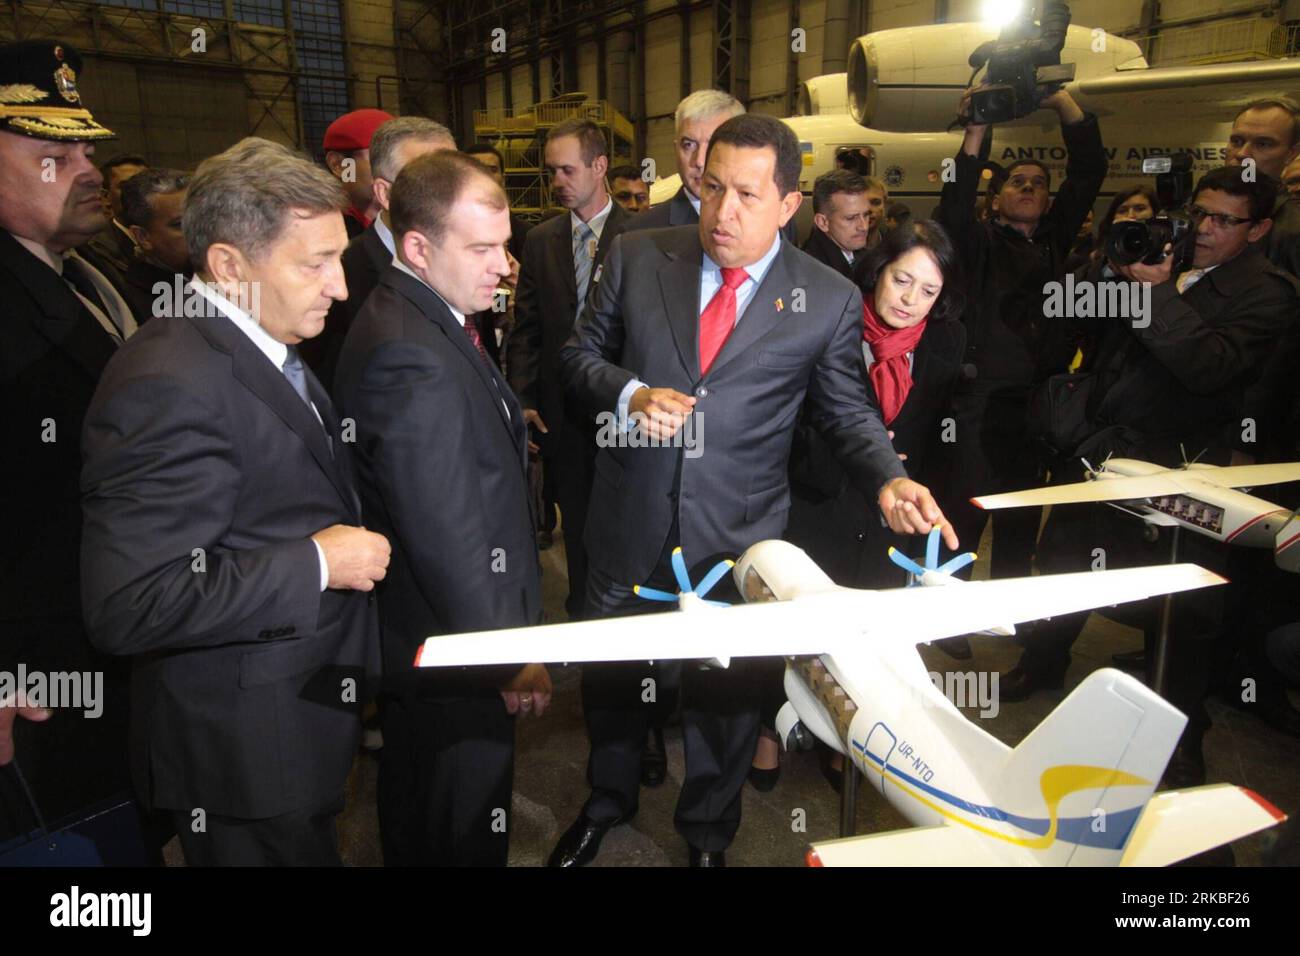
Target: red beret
353,130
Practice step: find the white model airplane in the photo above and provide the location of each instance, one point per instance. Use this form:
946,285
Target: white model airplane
1077,791
1199,497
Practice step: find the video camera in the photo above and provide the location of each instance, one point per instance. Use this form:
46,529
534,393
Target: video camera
1024,65
1145,240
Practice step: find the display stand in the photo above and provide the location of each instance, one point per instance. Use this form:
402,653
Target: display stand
849,799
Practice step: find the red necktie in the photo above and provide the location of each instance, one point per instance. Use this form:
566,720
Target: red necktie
471,329
719,317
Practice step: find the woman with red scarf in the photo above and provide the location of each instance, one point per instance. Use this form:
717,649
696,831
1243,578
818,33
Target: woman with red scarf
912,346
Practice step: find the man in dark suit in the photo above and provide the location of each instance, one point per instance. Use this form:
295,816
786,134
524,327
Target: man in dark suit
732,325
114,243
841,222
222,543
152,204
442,459
392,146
59,326
563,257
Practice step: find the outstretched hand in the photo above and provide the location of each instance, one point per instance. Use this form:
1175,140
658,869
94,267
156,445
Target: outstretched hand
909,508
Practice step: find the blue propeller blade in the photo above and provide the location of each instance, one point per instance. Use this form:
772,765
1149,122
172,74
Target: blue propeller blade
679,569
906,563
957,563
715,574
713,577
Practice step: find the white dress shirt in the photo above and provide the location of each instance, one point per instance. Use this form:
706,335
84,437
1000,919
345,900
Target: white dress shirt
121,325
710,283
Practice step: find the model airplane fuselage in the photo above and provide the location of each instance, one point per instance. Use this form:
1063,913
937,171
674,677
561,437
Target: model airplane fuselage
1075,792
1202,498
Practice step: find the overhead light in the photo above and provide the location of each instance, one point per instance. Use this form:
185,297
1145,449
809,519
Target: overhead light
998,13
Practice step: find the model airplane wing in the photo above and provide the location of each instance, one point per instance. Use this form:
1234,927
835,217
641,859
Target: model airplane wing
920,615
1250,476
1182,823
1103,489
771,629
920,846
814,624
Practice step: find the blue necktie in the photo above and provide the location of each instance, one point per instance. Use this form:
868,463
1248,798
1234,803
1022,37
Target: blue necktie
295,373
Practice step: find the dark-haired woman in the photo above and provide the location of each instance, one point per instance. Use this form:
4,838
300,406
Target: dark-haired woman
912,341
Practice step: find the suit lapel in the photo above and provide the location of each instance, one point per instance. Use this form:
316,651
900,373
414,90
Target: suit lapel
61,320
341,458
679,282
562,253
260,376
614,223
432,306
680,210
761,315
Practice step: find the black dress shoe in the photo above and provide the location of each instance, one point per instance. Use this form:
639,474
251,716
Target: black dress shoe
654,759
581,842
835,777
958,648
1186,768
1020,682
764,780
707,857
1131,660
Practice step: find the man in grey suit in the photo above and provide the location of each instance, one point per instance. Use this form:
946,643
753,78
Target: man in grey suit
222,545
723,322
561,257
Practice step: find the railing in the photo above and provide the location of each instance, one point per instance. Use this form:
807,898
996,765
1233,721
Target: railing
1225,42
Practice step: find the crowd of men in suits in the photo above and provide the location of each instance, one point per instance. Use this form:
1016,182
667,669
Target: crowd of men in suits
278,429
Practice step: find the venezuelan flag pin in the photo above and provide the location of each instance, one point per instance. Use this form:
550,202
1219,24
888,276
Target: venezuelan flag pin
779,305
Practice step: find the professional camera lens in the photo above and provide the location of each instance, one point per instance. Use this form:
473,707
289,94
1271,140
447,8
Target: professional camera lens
1129,242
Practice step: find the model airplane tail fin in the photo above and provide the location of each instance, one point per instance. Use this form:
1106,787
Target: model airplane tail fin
1079,781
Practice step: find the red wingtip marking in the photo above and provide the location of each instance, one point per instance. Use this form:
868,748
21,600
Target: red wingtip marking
418,654
813,859
1271,810
976,503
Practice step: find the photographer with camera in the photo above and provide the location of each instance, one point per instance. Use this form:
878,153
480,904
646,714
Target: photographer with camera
1009,258
1172,379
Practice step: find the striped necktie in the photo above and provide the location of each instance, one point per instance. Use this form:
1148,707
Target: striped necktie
582,260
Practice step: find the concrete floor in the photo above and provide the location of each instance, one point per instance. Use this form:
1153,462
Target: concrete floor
550,782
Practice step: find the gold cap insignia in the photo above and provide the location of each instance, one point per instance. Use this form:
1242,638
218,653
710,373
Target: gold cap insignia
65,81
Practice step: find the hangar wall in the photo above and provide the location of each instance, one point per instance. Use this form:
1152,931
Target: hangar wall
1180,31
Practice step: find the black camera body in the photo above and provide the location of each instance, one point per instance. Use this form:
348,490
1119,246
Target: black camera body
1145,240
1024,65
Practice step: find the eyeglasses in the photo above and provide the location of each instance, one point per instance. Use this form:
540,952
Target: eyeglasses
1220,219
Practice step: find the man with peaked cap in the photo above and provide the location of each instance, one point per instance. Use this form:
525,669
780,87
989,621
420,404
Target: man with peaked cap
60,322
347,154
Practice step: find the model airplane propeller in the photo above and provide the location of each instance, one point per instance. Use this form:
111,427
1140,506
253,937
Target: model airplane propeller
684,582
1200,497
1077,791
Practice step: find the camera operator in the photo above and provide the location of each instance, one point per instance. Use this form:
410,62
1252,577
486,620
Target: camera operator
1009,258
1172,379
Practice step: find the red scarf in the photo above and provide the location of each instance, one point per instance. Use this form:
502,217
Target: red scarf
890,375
359,216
